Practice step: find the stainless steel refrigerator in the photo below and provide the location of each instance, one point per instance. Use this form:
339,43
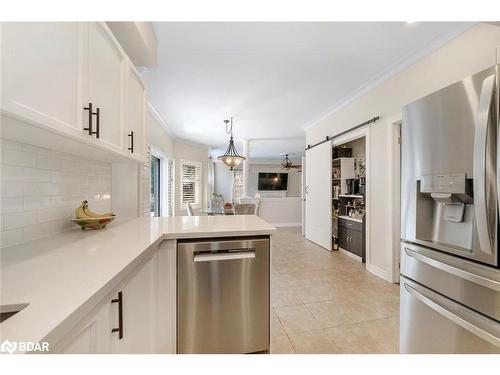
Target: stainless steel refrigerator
450,275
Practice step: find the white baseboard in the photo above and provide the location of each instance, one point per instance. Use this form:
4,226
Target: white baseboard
286,224
348,253
377,271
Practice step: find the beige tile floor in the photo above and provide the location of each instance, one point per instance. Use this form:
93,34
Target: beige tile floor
326,302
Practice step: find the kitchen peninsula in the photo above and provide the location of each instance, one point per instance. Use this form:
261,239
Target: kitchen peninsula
110,291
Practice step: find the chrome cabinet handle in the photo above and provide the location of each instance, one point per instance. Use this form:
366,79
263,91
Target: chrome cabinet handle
480,137
463,320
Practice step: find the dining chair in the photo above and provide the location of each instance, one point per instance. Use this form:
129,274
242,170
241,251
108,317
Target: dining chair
245,209
189,209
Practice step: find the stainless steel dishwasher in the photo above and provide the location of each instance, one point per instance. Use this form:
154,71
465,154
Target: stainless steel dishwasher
223,295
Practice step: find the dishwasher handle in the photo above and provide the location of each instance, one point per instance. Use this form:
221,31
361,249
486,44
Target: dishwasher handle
223,255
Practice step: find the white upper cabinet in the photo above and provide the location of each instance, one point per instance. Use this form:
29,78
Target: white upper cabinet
135,118
72,78
42,73
106,86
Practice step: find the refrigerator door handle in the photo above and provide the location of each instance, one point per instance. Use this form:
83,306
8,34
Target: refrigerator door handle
464,274
480,204
461,317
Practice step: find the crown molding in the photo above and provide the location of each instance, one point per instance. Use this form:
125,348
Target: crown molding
399,66
153,112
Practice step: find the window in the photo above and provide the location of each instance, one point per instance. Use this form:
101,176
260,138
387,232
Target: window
155,186
237,184
190,182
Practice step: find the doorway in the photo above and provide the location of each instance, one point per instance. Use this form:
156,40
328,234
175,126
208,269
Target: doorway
349,190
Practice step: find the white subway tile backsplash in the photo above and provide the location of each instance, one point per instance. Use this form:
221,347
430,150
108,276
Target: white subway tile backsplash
54,214
11,205
48,162
13,189
40,189
19,220
19,158
11,237
10,145
36,203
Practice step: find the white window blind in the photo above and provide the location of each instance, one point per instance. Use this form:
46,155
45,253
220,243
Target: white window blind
170,188
190,182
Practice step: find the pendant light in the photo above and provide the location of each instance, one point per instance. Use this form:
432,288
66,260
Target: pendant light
231,157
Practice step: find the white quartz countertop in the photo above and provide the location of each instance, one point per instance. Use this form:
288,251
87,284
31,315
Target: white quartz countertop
62,277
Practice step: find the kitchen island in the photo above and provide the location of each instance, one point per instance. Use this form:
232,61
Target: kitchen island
69,287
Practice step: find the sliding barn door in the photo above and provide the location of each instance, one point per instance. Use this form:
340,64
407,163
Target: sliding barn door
319,195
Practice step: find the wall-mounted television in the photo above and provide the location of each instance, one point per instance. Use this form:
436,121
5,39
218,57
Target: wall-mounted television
272,181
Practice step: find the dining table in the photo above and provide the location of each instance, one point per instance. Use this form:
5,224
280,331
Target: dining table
211,212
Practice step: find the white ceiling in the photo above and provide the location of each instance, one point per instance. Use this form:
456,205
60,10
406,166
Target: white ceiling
275,78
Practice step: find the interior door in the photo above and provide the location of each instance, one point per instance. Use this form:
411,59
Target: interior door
319,195
106,84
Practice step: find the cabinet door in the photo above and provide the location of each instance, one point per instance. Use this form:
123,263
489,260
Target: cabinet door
91,336
136,113
105,85
344,237
42,73
138,312
356,243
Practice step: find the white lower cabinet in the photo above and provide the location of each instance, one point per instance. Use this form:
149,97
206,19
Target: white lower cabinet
135,332
136,317
90,336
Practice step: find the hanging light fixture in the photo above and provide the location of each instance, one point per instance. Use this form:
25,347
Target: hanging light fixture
287,164
231,157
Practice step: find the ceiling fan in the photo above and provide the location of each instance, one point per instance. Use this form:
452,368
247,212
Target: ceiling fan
287,163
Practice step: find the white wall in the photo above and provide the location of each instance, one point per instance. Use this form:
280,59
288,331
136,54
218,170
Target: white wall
40,189
223,181
467,54
294,177
158,135
224,178
281,211
192,152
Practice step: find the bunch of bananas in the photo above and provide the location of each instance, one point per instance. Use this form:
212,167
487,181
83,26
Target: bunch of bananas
83,212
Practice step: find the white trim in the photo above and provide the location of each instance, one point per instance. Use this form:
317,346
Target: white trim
348,253
376,271
391,71
194,144
156,152
286,224
393,207
156,115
